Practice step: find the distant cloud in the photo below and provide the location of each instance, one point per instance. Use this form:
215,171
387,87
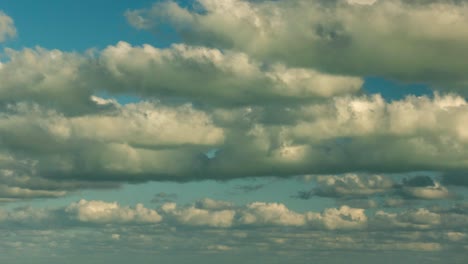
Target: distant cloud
247,188
7,27
164,197
101,212
217,226
209,213
424,187
358,186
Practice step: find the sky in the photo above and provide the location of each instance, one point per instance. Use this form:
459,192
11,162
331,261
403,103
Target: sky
233,131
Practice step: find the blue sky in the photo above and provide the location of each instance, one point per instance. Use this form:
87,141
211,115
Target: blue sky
233,130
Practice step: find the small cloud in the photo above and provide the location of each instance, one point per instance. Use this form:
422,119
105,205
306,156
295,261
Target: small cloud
424,188
419,181
163,197
303,195
249,188
219,247
7,27
361,2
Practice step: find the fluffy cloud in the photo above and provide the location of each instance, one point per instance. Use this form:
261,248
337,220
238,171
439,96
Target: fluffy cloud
353,133
271,214
342,218
423,187
210,75
193,216
419,219
263,116
221,215
101,212
406,135
271,228
388,38
352,187
7,27
107,141
20,180
48,77
68,81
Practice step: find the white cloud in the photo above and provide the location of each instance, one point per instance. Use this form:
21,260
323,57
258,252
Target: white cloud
49,77
214,76
342,218
17,192
429,192
265,214
271,118
192,216
407,134
333,36
7,27
355,186
418,219
109,140
352,185
101,212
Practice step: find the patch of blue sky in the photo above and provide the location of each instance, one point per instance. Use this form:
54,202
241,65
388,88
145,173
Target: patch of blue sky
393,90
71,25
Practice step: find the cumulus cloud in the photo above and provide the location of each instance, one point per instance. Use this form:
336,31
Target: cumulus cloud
219,226
406,135
19,180
17,192
210,75
419,219
68,81
48,77
193,216
342,218
222,215
353,187
424,187
107,141
101,212
268,88
271,214
263,116
7,27
335,36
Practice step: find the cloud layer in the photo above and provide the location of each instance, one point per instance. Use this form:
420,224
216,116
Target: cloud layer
211,227
60,125
388,38
223,215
